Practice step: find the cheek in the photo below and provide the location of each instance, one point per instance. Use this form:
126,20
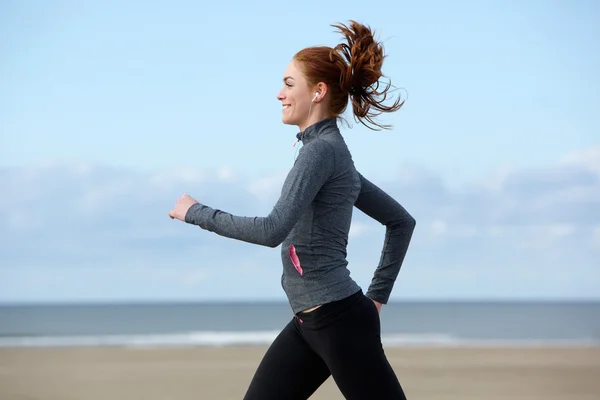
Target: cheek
298,101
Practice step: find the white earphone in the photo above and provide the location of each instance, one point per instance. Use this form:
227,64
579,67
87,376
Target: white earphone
316,95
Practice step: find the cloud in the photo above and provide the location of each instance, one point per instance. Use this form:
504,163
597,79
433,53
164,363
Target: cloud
528,233
358,229
588,159
267,187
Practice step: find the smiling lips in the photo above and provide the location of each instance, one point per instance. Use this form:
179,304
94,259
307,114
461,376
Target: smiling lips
286,106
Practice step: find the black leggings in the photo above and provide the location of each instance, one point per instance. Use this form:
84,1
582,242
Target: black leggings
341,339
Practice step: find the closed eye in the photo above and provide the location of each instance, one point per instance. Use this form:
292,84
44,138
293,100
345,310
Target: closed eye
287,80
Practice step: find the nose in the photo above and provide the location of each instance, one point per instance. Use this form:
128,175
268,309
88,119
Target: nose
280,95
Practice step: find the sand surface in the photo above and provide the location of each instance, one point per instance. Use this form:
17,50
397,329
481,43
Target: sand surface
224,373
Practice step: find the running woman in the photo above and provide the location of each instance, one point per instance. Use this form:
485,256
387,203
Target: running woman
335,330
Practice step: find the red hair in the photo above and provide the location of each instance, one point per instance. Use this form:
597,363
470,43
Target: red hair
350,69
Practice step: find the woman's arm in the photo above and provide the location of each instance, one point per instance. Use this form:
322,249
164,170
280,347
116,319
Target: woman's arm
399,224
311,170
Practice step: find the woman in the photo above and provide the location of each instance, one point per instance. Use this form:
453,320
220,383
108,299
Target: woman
336,328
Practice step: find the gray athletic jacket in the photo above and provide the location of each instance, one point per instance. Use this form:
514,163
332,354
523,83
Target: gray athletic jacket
311,221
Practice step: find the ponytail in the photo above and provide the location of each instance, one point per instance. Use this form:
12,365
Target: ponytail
351,70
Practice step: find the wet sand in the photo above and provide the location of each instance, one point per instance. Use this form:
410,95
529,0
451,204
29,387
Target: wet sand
224,373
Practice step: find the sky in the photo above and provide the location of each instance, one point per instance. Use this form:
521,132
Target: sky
109,111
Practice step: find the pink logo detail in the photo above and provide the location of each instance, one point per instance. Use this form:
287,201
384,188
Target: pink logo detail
295,259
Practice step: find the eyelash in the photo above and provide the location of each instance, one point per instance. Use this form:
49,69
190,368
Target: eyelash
288,85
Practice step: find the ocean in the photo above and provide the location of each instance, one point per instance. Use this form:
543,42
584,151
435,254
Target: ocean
237,324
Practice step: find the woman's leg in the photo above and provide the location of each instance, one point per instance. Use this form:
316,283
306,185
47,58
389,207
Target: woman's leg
289,370
347,337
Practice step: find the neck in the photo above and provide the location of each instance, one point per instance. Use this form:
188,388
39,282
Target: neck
315,115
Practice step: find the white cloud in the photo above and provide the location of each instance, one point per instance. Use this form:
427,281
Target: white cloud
226,173
439,227
183,175
103,194
267,187
83,220
358,229
588,159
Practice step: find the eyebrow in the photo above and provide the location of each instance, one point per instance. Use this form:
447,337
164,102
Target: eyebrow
287,77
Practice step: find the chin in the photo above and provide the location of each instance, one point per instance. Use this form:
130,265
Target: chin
288,121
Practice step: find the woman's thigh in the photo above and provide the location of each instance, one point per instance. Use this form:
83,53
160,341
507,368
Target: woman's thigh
352,349
290,369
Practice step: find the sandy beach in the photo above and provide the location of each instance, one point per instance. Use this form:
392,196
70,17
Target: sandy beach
224,373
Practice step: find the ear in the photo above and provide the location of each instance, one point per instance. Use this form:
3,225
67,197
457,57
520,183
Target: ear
321,88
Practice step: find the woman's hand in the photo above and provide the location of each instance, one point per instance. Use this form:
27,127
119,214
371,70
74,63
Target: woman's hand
377,304
181,207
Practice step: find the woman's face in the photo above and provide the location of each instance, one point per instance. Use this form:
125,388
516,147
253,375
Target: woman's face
295,96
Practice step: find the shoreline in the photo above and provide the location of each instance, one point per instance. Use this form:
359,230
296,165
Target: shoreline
403,347
181,373
224,339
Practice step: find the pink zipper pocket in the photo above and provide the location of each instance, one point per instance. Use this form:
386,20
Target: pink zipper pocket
295,259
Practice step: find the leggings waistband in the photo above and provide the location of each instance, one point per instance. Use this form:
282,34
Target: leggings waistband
328,312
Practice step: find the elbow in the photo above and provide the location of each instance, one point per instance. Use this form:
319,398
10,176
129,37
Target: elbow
272,243
275,238
411,222
275,232
405,222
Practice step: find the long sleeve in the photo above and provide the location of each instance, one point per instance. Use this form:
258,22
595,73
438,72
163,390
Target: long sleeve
399,224
311,170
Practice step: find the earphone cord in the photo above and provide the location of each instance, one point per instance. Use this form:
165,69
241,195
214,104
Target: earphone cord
307,118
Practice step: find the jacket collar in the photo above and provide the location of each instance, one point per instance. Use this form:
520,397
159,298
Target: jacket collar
317,129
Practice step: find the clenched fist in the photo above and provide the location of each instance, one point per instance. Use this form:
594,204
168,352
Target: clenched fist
182,206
